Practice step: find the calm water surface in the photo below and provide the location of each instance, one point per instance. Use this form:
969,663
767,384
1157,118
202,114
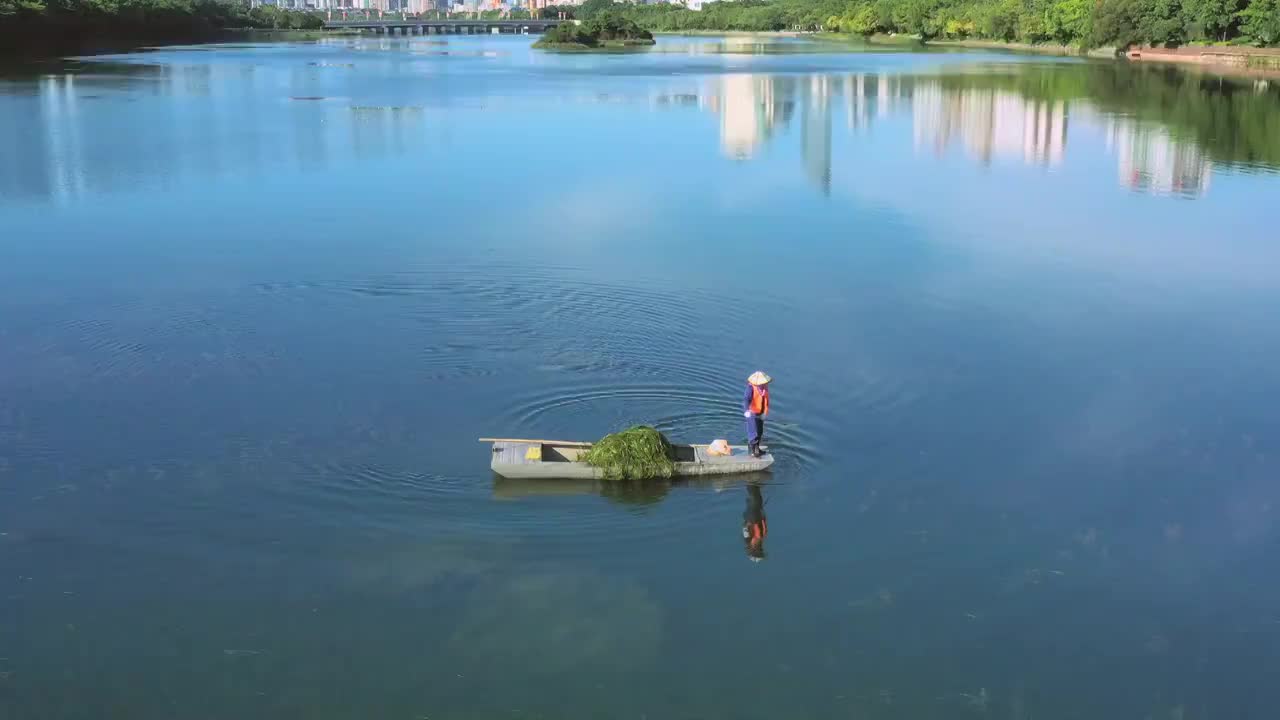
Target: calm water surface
258,302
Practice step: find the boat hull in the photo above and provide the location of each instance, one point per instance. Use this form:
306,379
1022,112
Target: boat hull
552,460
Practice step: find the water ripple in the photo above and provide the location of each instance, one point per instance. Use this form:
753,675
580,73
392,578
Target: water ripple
132,340
475,318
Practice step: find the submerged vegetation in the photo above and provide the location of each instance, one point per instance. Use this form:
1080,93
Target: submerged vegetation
638,453
50,27
605,30
1083,23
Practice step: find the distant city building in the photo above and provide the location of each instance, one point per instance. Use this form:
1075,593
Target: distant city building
396,6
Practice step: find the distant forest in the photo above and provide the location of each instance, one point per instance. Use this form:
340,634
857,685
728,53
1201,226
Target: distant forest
1083,23
49,27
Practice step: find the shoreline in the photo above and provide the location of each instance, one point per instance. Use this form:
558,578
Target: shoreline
69,48
1221,59
1225,60
733,33
1052,49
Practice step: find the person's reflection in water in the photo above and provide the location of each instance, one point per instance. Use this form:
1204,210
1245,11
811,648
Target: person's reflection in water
754,525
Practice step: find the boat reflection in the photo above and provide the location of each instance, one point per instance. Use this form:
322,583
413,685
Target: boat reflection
646,492
634,494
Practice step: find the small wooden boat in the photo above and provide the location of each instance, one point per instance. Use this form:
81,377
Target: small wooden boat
532,459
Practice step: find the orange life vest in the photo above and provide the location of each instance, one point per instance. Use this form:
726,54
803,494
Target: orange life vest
759,400
756,532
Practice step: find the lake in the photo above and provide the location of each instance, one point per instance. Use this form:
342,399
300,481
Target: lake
260,300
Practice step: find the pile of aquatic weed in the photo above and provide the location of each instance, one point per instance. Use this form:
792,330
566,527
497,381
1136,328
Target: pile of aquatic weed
638,453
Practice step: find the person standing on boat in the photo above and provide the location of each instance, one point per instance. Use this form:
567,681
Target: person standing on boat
755,407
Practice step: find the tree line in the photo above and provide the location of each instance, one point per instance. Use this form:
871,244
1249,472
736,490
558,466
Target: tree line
50,27
1081,23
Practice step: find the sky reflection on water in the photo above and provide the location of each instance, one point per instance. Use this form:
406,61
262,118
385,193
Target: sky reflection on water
259,301
113,126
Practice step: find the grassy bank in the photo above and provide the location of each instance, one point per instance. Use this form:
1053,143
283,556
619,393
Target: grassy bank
1221,59
894,41
1055,49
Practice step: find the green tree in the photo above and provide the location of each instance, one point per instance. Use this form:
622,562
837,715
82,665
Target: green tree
17,7
266,17
999,20
915,17
863,21
1210,19
1161,23
1260,21
1033,22
884,12
1115,22
1069,21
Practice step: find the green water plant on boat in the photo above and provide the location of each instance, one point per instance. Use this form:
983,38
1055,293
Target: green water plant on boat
637,453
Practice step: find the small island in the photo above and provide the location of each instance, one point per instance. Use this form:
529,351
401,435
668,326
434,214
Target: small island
607,31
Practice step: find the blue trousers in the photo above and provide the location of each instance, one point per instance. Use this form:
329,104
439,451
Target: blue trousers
755,429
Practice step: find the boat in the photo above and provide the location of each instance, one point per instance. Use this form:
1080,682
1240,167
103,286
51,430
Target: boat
558,459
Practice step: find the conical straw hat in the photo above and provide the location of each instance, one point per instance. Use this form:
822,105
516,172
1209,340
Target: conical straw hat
759,377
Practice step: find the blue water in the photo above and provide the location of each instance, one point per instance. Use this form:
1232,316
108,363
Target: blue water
259,301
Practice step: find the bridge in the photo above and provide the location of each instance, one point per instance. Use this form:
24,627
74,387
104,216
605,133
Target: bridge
410,25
